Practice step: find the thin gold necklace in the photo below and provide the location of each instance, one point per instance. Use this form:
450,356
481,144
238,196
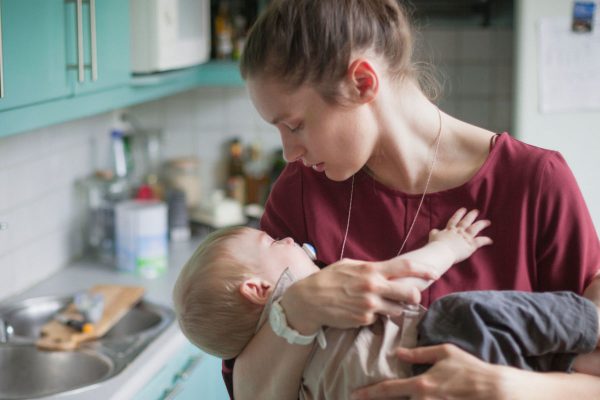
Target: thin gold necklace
435,154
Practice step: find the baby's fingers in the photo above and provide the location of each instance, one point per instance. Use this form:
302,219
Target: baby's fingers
481,241
468,219
456,217
478,226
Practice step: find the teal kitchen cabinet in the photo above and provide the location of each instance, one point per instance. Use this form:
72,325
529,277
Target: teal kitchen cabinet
54,49
100,45
34,52
190,375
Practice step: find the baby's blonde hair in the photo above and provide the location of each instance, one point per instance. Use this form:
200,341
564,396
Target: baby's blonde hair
210,309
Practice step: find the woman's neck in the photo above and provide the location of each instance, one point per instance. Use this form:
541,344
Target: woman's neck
409,130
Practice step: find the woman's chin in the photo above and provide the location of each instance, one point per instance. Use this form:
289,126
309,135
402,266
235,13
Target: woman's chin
337,176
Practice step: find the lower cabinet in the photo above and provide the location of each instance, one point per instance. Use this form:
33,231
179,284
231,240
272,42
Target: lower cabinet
190,374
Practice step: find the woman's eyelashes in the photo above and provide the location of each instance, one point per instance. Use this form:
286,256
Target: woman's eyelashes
296,129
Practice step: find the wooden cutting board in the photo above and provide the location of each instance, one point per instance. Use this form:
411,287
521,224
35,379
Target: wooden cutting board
118,300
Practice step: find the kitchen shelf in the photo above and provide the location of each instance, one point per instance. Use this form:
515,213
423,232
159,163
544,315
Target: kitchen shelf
140,90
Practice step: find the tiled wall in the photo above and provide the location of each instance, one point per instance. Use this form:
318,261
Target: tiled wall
476,67
38,201
200,122
38,169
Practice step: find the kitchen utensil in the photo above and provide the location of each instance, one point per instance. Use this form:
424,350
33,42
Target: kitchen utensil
118,300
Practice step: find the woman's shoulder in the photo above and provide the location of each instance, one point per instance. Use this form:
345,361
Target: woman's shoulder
515,150
513,156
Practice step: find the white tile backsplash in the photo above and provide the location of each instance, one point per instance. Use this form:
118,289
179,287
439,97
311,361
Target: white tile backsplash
38,169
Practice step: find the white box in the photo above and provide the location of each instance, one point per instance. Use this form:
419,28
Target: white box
169,34
141,237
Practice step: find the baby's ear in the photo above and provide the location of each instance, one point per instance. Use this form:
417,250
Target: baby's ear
256,291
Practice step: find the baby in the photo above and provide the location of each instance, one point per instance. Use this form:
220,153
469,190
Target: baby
226,290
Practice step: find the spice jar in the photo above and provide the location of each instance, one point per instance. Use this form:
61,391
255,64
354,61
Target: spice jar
183,174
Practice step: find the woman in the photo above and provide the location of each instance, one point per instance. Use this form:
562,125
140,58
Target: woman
373,166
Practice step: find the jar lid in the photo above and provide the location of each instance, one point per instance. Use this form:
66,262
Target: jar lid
184,162
104,174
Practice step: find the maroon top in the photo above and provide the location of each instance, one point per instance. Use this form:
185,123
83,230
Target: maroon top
544,238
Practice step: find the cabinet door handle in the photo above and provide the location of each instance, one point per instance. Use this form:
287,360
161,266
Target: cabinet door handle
180,377
1,60
188,368
93,47
80,62
171,392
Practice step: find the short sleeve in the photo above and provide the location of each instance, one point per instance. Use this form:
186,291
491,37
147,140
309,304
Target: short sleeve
567,247
284,210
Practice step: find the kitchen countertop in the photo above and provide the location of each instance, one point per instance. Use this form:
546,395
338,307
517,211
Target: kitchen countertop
83,274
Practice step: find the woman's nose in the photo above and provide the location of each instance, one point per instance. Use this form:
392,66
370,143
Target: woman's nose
292,148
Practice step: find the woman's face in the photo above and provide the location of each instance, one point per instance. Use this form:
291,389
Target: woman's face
330,138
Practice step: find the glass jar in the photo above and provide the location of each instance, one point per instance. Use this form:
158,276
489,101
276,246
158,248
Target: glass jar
99,194
183,174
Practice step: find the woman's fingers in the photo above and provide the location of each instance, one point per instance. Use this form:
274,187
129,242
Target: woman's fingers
455,374
426,354
401,291
390,389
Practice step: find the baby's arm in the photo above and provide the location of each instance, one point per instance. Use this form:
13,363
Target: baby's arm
455,243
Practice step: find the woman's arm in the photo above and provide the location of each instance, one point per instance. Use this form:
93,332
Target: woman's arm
348,293
459,375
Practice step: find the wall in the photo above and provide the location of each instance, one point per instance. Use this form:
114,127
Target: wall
38,169
575,134
475,65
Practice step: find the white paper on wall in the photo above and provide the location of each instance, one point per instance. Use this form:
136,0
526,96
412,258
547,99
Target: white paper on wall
569,67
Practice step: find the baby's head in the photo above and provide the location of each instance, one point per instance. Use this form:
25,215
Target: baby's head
222,289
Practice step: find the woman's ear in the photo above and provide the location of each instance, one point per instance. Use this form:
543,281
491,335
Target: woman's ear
256,290
363,79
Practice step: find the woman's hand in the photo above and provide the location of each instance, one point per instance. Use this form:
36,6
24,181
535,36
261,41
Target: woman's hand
350,293
455,375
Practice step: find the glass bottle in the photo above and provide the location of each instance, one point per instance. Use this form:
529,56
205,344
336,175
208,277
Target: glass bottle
223,32
236,182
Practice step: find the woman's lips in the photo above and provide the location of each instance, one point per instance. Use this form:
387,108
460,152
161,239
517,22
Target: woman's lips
320,167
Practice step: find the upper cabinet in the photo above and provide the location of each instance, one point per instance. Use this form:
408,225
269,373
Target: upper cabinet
98,51
56,48
67,59
34,52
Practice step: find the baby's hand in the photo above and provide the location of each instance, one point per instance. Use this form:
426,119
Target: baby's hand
460,234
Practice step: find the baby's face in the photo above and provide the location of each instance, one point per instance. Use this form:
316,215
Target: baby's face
271,256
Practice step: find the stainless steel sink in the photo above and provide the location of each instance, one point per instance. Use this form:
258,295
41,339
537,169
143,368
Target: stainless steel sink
31,373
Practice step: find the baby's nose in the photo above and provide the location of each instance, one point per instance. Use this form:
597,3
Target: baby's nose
288,240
